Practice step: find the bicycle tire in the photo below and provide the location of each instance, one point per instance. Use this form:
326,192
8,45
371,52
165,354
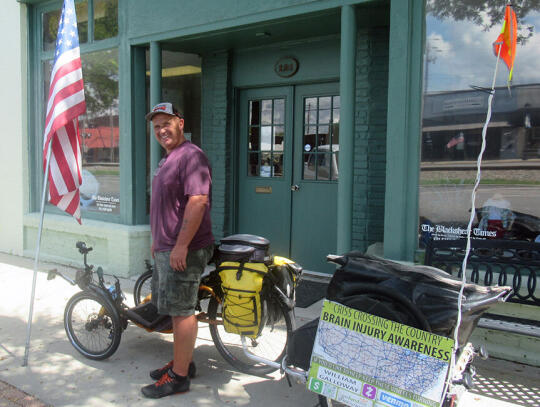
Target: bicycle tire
271,344
93,327
142,287
385,305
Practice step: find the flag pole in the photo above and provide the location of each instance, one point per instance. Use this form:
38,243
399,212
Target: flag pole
36,260
469,226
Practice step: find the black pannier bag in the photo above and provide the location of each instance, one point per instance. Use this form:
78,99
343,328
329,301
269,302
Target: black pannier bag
431,293
260,245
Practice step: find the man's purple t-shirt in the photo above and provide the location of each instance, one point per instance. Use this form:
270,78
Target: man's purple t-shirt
185,171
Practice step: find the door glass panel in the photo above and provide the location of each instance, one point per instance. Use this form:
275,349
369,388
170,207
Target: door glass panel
266,112
324,116
266,164
279,111
266,137
278,165
309,166
324,167
254,111
254,139
325,102
321,138
253,164
279,133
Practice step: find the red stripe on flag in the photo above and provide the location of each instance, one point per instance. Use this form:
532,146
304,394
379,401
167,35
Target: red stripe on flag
63,163
64,70
63,94
65,117
74,205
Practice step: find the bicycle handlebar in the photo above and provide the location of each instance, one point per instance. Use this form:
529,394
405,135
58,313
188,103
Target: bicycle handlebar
83,249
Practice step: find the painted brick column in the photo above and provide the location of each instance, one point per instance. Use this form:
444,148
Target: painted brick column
216,140
370,137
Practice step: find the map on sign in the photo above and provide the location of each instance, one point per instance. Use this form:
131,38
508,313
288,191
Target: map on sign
365,360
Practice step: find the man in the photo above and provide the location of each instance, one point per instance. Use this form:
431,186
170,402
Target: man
182,243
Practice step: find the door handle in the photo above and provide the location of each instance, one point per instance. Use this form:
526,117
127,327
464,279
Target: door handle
295,187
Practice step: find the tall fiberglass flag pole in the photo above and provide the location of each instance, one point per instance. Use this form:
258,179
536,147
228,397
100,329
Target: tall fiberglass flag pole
505,48
61,144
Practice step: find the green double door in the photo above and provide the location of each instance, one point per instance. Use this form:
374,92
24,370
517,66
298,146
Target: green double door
288,170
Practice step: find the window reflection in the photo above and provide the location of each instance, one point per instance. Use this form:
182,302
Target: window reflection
272,137
100,190
321,138
105,19
458,54
50,22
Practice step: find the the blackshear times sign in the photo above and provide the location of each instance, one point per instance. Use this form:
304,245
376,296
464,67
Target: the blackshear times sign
364,360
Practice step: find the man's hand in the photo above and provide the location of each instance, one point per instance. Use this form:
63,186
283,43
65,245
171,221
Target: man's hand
178,257
152,250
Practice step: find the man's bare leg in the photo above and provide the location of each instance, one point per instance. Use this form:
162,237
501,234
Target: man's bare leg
184,337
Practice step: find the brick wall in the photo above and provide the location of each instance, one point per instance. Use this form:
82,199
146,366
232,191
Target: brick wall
370,137
216,141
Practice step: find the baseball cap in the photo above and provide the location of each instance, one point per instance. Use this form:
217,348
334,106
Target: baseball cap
166,108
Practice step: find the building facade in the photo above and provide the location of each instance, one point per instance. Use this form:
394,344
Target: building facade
321,119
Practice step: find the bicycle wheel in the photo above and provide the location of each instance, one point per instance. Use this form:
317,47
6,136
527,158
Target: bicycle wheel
271,344
387,305
92,326
142,288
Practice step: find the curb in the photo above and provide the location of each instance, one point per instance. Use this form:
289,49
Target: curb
12,397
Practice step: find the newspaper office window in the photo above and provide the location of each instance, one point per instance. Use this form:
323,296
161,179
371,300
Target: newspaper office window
99,126
458,63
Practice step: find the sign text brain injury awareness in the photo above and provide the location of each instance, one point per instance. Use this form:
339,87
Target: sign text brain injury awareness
389,331
364,360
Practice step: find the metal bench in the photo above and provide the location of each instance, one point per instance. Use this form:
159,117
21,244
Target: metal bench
495,262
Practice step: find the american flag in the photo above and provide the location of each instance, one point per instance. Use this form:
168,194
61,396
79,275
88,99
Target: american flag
65,104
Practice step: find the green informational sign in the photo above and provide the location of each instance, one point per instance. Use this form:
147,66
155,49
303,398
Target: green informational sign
364,360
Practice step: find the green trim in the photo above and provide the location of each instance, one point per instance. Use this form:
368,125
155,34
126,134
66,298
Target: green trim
347,85
138,132
126,141
90,21
155,98
403,124
232,24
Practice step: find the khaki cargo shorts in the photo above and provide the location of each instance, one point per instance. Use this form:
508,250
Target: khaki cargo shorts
175,292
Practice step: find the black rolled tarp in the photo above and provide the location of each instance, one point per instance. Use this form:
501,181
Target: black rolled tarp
432,291
420,296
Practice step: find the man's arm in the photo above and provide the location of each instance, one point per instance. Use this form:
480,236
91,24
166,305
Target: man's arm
193,216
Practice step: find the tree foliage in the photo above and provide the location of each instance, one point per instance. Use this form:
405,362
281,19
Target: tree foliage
100,73
486,14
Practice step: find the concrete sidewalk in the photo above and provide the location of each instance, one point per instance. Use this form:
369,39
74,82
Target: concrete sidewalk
57,375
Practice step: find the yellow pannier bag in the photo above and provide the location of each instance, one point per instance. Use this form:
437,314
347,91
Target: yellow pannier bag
241,309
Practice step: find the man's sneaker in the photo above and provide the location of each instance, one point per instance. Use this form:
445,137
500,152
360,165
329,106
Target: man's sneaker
167,385
156,374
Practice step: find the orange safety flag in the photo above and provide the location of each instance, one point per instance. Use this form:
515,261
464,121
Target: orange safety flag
507,40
